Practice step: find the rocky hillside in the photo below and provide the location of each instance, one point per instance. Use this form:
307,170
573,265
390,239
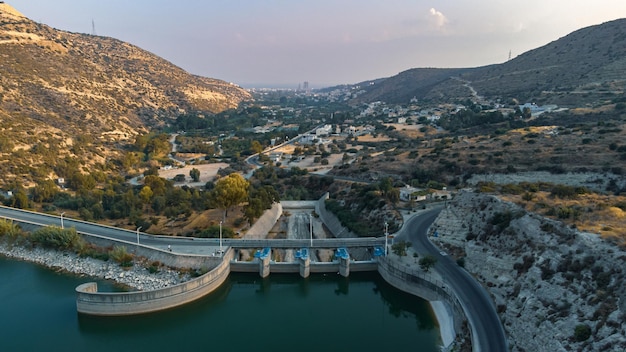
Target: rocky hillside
556,289
59,88
588,65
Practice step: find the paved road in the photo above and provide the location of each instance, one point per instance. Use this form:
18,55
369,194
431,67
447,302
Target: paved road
184,244
487,330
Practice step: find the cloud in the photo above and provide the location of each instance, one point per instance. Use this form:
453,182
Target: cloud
438,18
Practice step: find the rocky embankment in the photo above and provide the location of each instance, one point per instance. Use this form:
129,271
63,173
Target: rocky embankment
137,277
556,289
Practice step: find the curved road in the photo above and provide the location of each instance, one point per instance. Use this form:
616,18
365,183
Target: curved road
487,330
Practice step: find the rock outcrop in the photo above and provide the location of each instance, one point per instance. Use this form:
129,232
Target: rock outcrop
556,289
137,276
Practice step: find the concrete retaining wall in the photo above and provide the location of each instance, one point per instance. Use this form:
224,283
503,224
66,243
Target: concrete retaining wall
331,221
180,261
298,204
421,285
265,223
89,301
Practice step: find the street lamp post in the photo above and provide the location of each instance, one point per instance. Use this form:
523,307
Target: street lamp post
220,238
139,228
63,213
386,236
311,228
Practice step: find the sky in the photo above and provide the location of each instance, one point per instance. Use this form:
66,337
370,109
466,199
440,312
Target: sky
282,43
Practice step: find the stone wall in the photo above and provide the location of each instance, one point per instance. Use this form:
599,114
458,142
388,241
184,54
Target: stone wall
89,301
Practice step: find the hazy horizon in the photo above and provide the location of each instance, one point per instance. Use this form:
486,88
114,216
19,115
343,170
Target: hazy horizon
284,43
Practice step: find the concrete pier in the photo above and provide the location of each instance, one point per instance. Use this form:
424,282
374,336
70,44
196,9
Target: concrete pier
305,267
344,267
265,255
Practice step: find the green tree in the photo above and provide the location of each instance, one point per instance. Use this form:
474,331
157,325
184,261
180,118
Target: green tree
195,174
157,184
256,147
385,185
399,248
146,194
20,199
230,191
393,195
45,191
427,262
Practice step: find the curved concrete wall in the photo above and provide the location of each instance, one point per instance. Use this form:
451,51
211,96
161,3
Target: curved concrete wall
421,285
90,301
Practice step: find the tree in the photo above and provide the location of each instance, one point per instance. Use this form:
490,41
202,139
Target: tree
427,262
194,174
256,147
393,195
230,191
385,185
146,194
45,191
20,199
157,184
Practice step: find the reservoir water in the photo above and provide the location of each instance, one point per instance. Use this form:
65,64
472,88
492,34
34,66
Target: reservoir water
280,313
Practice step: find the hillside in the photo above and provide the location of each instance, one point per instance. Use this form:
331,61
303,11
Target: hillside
586,66
60,89
555,288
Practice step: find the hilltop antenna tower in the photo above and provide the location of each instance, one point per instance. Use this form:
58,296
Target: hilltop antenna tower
509,55
93,27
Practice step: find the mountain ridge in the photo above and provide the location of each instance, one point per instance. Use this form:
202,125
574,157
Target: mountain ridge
59,89
579,67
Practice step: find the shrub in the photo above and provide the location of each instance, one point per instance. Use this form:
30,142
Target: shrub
9,229
582,332
56,237
213,231
121,256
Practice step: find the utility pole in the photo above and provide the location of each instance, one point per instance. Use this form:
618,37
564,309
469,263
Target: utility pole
386,236
221,238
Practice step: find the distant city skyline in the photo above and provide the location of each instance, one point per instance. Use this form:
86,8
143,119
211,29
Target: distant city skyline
281,43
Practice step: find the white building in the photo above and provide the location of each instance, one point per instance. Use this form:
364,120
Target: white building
408,193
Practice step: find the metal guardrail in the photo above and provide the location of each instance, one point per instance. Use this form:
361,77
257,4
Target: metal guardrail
302,243
407,274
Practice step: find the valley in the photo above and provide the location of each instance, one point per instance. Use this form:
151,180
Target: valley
528,158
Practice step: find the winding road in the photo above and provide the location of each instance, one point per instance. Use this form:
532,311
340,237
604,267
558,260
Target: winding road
487,331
